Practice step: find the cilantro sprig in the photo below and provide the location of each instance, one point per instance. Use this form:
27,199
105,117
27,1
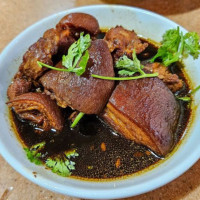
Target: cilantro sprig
33,153
76,58
61,164
128,68
175,46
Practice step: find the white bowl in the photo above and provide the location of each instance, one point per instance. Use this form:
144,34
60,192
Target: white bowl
145,23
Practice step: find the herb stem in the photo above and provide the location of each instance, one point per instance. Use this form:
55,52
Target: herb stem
142,72
195,90
187,99
77,119
181,46
50,67
125,78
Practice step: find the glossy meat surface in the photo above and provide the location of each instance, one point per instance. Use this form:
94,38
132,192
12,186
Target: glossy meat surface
83,93
79,22
42,51
145,111
18,87
173,82
56,41
122,41
39,109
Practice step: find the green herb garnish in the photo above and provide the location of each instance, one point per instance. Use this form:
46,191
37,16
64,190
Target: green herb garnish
128,68
77,119
33,153
176,46
75,53
188,98
124,78
194,90
76,58
62,165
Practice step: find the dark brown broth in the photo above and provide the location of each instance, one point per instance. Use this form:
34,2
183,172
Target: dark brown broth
102,153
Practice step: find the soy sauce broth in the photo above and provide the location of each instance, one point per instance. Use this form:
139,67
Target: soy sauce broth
103,153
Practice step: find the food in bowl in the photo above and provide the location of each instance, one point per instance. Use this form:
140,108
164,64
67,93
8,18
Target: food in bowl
105,108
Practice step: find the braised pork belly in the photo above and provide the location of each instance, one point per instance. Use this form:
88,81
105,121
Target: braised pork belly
144,111
97,98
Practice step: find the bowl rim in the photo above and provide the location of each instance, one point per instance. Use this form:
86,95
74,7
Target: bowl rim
112,193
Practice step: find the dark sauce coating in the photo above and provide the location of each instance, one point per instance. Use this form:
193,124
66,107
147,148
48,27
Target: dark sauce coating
88,138
103,154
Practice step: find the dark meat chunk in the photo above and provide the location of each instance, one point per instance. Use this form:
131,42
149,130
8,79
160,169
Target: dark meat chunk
83,93
43,50
18,87
79,22
56,42
122,41
39,109
173,82
144,111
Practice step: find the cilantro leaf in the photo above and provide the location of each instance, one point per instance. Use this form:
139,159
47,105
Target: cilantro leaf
58,166
75,52
62,165
124,72
82,64
74,61
126,64
33,153
176,46
191,46
128,68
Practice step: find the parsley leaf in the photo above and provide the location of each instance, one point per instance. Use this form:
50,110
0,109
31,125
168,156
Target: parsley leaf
74,61
176,46
128,68
61,164
33,153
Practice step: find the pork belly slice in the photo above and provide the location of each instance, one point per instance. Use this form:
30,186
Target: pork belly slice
39,109
83,93
144,111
